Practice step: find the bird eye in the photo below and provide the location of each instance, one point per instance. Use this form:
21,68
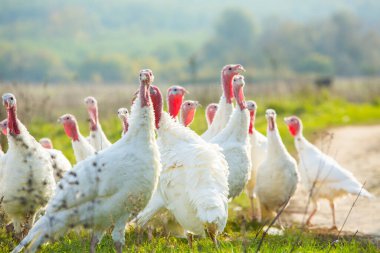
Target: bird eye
229,68
188,104
67,118
11,98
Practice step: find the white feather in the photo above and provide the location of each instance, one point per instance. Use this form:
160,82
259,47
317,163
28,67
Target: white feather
82,148
27,180
104,189
220,121
98,139
236,147
193,183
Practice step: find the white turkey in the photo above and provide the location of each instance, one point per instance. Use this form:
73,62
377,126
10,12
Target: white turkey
225,106
258,154
234,141
106,189
321,175
60,163
210,113
175,97
82,148
27,180
193,182
188,109
97,138
123,115
277,175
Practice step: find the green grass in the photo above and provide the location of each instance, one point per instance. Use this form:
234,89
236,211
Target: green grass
319,111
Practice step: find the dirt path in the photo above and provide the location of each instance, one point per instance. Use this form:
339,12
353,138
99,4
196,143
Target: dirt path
356,148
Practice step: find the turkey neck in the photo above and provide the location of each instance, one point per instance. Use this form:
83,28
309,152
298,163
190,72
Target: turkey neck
93,112
252,117
187,117
144,93
239,96
275,144
125,125
227,87
12,121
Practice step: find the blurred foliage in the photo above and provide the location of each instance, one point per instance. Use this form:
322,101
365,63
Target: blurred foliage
71,41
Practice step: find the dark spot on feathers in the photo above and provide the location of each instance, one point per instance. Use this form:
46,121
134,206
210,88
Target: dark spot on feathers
23,201
73,173
24,161
97,179
44,182
99,170
30,182
94,164
60,186
52,156
46,236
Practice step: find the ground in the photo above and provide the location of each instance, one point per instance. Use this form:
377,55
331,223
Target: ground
357,148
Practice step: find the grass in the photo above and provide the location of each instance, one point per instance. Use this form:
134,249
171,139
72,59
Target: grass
319,111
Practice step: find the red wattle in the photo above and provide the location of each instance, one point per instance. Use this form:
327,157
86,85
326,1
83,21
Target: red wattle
293,130
175,102
71,131
188,117
12,121
227,88
251,122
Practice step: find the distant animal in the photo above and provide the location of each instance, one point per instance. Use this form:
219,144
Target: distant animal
123,115
82,148
321,175
277,175
210,113
97,138
188,109
175,98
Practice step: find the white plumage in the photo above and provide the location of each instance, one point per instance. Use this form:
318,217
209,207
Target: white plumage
258,153
277,176
193,183
225,106
234,141
320,173
97,137
59,161
108,188
27,180
82,148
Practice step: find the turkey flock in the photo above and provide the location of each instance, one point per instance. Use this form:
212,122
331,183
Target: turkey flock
158,164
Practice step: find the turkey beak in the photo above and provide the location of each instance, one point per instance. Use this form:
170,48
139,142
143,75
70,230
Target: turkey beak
60,120
186,91
240,69
198,104
287,120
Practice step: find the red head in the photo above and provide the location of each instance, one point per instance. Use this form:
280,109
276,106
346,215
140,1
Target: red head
271,118
46,143
9,102
4,126
252,107
122,113
228,73
294,124
146,79
210,112
188,110
92,108
238,84
156,97
70,125
175,98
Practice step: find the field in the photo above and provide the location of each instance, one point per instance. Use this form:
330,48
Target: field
346,103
